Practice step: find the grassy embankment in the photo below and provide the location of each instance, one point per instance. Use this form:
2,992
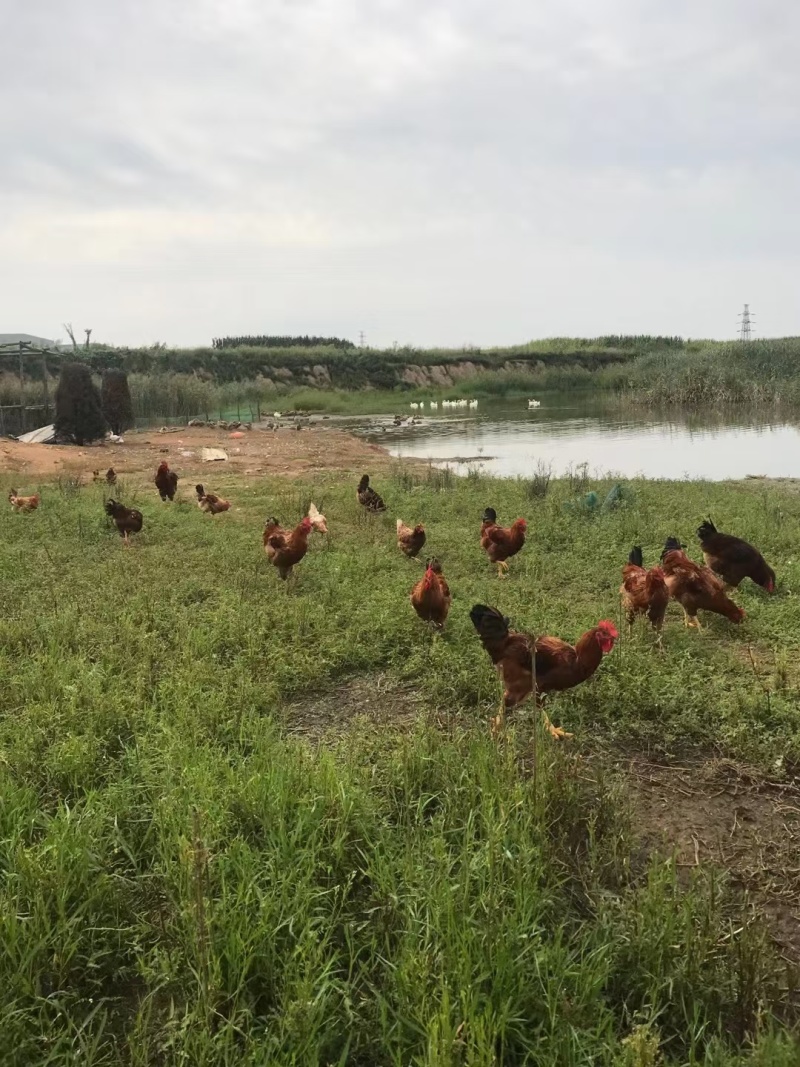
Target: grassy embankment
216,383
212,383
246,381
187,880
643,370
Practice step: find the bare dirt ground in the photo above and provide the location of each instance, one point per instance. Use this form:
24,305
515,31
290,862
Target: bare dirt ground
787,485
706,812
287,452
376,701
715,811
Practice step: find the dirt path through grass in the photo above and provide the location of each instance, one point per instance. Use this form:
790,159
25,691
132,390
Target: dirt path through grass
702,810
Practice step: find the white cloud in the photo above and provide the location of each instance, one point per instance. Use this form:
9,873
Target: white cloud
428,171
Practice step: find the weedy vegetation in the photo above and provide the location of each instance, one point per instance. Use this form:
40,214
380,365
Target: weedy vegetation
192,875
234,378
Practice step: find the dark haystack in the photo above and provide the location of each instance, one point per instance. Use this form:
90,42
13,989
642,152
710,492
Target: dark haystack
116,400
79,416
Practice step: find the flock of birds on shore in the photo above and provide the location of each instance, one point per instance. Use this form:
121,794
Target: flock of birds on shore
528,665
434,404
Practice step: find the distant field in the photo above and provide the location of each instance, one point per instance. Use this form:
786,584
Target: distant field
251,823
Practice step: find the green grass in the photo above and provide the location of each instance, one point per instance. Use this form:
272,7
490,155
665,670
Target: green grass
716,374
185,882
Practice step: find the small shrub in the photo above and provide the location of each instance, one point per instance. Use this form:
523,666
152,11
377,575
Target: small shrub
440,478
538,486
642,1048
404,476
578,477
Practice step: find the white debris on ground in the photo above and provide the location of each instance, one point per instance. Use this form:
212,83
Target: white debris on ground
213,455
43,436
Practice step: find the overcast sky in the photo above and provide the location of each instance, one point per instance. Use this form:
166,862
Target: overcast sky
427,172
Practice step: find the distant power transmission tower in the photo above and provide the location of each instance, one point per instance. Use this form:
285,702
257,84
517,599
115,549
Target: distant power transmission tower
745,324
362,339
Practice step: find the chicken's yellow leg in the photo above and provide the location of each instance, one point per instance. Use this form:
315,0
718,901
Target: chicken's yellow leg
502,569
555,731
498,721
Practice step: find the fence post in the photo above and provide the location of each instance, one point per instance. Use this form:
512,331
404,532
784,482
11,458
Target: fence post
46,390
21,375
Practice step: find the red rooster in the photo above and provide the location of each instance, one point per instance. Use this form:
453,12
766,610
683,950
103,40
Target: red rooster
166,481
500,543
285,549
558,665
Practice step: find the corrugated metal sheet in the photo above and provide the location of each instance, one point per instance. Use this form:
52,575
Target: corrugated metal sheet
44,436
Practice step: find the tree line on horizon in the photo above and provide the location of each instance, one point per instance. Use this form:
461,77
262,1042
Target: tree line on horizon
274,341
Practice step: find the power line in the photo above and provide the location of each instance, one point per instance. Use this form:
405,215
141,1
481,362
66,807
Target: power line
745,324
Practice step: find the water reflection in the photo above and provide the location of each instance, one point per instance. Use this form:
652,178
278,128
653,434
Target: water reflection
505,438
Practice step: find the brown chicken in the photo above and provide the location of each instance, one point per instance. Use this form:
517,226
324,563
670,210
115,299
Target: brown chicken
126,520
695,588
23,503
410,540
644,592
559,665
367,497
500,543
96,476
111,476
431,596
285,548
734,559
210,503
166,481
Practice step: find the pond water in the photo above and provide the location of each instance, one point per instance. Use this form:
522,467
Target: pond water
508,439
